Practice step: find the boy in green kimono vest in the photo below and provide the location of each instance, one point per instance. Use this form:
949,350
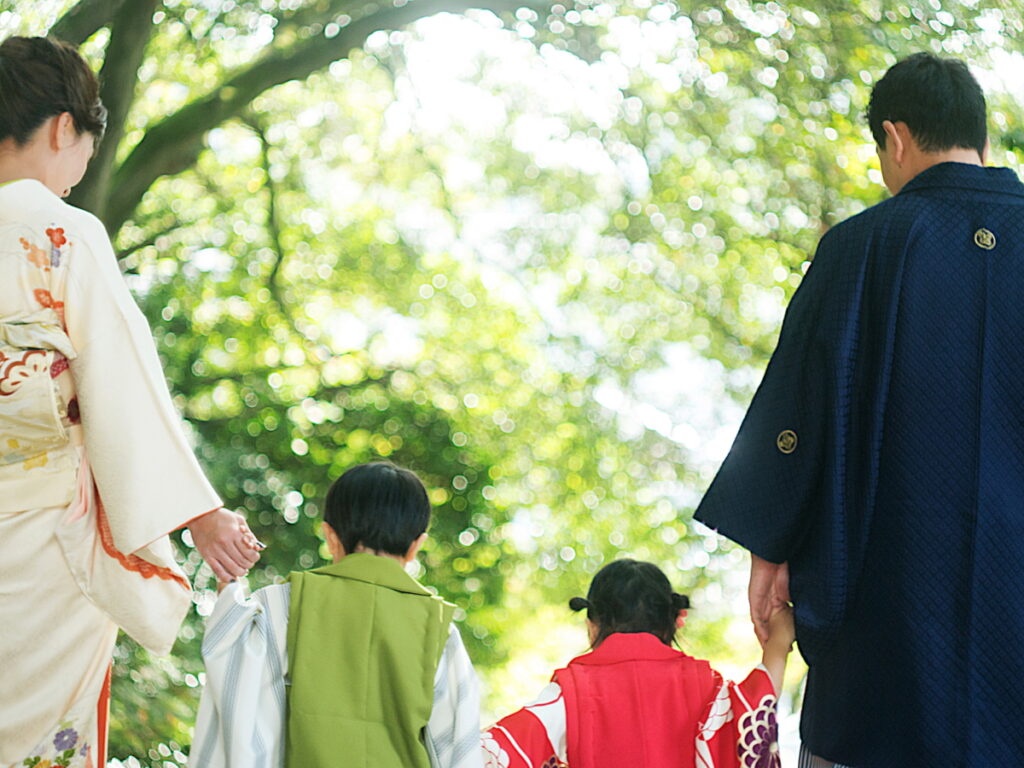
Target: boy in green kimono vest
364,637
377,676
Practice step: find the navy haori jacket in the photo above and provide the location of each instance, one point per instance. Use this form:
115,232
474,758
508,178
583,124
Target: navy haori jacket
882,457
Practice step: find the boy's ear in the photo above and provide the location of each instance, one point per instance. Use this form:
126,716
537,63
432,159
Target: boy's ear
414,548
334,545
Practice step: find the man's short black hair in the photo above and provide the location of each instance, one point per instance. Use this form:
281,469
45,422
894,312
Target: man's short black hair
383,507
939,100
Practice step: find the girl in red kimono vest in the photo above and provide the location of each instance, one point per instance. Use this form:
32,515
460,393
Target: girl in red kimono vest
636,701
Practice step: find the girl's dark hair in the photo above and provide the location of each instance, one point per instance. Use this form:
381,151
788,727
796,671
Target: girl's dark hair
383,507
632,596
41,78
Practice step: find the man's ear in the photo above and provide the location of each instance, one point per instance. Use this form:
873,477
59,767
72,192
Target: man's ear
895,141
414,548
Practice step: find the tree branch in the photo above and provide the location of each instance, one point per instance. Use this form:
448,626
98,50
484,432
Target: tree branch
84,19
151,240
173,145
129,34
274,230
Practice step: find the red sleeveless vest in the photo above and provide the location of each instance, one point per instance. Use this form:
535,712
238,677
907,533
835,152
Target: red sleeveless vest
634,701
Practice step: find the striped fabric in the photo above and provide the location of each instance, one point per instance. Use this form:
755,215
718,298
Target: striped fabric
807,760
241,722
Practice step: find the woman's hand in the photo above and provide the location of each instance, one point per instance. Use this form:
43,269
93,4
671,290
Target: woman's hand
225,542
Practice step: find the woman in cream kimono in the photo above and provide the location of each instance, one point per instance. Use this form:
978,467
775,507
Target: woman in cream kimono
94,467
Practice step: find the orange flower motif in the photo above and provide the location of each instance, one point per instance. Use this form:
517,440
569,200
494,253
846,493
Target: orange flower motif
56,236
35,254
45,299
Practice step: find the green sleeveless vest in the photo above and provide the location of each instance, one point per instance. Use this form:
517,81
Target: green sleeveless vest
364,642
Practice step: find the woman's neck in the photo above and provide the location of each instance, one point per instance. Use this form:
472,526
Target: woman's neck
18,163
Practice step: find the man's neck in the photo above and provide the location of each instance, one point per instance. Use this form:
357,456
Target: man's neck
917,162
926,160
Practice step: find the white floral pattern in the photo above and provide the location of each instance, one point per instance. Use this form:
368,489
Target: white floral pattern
494,755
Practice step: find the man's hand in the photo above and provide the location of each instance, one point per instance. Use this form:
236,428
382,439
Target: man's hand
225,542
768,591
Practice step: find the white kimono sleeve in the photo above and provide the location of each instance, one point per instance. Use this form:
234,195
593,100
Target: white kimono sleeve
241,722
453,731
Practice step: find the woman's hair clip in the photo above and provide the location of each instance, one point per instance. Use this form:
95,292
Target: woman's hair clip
680,602
579,603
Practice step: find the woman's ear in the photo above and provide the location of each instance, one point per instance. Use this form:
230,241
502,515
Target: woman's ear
681,619
63,133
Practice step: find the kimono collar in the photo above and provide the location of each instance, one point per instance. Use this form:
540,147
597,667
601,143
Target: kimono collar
373,569
30,190
965,176
628,646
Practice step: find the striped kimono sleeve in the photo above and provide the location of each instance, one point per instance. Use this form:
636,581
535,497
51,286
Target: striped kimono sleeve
453,731
241,720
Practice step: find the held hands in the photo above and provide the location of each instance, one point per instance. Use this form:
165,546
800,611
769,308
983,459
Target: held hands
781,630
768,592
225,542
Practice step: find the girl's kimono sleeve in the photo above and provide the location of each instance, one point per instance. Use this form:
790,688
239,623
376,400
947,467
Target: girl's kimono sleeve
739,727
533,737
148,478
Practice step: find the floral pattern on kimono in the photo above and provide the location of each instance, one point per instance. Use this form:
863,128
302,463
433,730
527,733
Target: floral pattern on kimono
95,470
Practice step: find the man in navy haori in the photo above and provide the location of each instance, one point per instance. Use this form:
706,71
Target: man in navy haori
878,476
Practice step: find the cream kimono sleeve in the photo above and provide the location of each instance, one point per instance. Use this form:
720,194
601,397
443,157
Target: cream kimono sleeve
147,480
147,475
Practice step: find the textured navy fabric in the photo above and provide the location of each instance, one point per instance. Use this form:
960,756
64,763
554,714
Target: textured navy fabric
900,510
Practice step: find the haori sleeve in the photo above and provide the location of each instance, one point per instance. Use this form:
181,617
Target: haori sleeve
242,708
776,477
739,728
147,475
532,737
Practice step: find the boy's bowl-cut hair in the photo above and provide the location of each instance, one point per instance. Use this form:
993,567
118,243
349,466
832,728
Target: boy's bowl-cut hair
381,506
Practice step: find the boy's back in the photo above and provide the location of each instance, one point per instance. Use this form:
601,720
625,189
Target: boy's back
364,643
356,663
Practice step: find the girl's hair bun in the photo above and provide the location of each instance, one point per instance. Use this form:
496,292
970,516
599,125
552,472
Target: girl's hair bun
579,603
680,602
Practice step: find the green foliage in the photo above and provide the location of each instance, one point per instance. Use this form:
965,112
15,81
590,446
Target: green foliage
541,261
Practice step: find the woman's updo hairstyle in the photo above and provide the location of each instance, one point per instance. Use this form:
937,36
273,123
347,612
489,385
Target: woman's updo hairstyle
41,78
632,596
